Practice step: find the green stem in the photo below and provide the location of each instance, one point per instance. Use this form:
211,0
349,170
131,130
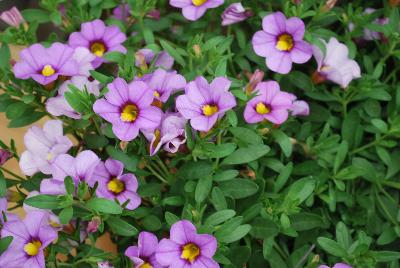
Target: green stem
156,174
11,173
368,145
378,198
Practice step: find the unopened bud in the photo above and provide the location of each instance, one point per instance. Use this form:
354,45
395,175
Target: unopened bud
93,225
197,50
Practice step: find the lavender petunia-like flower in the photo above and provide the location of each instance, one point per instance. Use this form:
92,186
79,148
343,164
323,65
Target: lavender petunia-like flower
164,83
12,17
45,65
195,9
121,12
171,133
235,13
337,265
79,168
84,58
59,106
99,39
30,237
43,145
115,185
146,56
204,103
335,65
186,248
128,108
300,108
281,42
271,104
144,254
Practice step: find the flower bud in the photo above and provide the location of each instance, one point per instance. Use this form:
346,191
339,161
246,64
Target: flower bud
4,156
235,13
12,17
93,225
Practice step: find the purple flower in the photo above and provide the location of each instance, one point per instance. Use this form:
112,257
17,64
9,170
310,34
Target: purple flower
93,225
99,39
370,34
270,104
30,237
186,248
44,65
79,168
121,12
235,13
146,56
59,106
164,83
128,108
43,145
254,79
12,17
195,9
84,58
4,156
337,265
300,108
204,103
144,254
335,65
171,134
115,185
281,42
3,209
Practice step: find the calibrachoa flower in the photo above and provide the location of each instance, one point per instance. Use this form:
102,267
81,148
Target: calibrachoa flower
121,12
4,156
144,254
335,65
195,9
43,145
204,103
281,42
115,185
146,56
99,39
164,83
270,104
171,134
45,65
235,13
30,237
84,58
128,108
186,248
79,168
12,17
300,107
58,106
337,265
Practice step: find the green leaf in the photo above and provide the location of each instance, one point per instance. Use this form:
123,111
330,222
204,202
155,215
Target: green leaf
114,56
218,199
232,118
239,188
173,52
26,119
171,218
301,80
151,223
246,154
195,170
121,227
246,135
300,190
5,56
343,235
380,125
4,243
385,256
43,201
66,215
222,150
340,156
104,206
349,127
3,186
263,228
130,161
332,247
237,234
283,140
225,175
69,185
219,217
203,188
35,15
283,177
306,221
104,79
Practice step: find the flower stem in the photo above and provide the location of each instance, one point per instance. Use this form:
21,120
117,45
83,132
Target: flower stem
11,173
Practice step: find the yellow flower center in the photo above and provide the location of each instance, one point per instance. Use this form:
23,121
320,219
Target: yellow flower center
190,252
54,224
261,108
285,42
48,70
32,248
146,265
209,110
129,113
156,94
98,49
116,186
198,2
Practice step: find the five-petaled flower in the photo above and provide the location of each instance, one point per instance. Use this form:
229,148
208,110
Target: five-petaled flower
144,254
195,9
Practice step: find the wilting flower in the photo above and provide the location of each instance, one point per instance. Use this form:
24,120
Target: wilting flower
171,134
281,42
121,12
145,56
186,248
59,106
43,145
195,9
144,254
300,108
3,209
335,65
4,156
30,237
115,185
45,65
204,103
270,104
79,168
12,17
99,39
255,78
164,83
235,13
128,108
337,265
